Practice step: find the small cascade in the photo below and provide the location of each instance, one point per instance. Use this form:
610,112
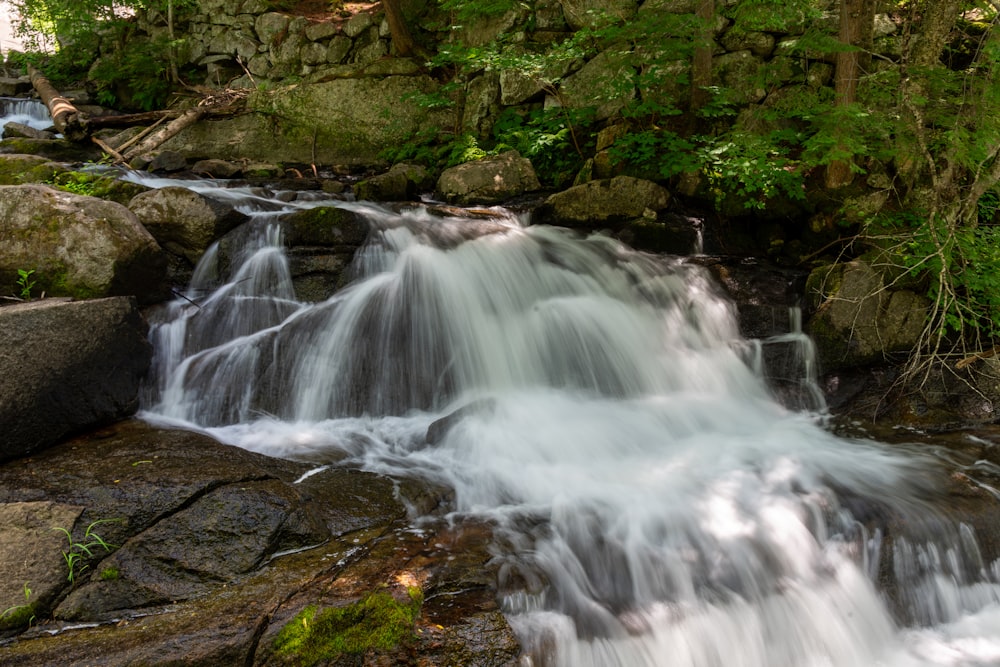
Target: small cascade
653,504
29,112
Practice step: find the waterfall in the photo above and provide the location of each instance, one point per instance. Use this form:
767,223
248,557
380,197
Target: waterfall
654,503
25,111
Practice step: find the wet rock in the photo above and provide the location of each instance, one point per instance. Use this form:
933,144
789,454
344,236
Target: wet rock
52,149
607,202
488,181
857,320
18,169
34,571
204,567
401,183
68,366
325,226
216,168
78,246
11,130
167,161
184,222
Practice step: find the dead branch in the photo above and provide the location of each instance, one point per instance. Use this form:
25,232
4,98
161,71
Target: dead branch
188,118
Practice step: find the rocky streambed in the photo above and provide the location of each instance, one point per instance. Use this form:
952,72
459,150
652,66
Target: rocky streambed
139,545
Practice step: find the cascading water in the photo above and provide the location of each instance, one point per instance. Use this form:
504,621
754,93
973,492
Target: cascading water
32,113
653,503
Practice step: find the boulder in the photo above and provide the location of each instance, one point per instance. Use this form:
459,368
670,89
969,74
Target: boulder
184,222
607,202
488,181
77,246
17,169
13,129
402,182
68,365
859,321
320,123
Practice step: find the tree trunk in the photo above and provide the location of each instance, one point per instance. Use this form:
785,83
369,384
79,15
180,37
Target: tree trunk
402,41
701,64
857,18
66,117
936,21
188,118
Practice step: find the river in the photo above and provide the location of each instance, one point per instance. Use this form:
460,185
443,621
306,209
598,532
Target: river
654,503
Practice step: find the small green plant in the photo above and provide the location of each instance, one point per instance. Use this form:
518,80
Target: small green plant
110,574
77,551
378,621
19,614
25,283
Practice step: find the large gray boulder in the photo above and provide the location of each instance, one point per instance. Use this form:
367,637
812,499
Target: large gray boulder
184,222
488,181
67,366
320,123
77,246
859,321
607,202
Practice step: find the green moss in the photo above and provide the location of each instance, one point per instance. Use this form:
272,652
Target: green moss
378,621
96,185
17,617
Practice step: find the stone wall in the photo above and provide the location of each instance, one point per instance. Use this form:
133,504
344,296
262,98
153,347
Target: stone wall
247,44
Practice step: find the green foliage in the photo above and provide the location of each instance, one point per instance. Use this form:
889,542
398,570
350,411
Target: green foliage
20,614
24,283
958,265
135,75
77,551
376,622
555,140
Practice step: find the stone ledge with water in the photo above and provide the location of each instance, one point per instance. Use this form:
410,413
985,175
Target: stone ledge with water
658,489
653,502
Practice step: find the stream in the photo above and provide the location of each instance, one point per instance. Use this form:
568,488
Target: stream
654,503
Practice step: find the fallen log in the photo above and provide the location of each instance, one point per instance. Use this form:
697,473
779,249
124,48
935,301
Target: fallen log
129,119
67,118
188,118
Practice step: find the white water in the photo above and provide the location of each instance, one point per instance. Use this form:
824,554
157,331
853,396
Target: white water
654,504
32,113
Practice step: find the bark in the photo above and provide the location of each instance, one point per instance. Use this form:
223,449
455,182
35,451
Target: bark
857,19
936,22
701,65
129,119
67,118
402,39
188,118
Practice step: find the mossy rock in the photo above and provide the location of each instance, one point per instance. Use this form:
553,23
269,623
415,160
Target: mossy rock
324,226
378,622
19,169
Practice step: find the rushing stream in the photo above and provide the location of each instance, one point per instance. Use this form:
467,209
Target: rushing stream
654,504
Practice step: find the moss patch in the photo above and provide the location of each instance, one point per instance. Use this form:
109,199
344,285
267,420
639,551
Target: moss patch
378,622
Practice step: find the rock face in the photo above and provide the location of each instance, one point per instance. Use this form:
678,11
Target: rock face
322,123
77,246
857,320
488,181
68,366
183,221
213,550
607,202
